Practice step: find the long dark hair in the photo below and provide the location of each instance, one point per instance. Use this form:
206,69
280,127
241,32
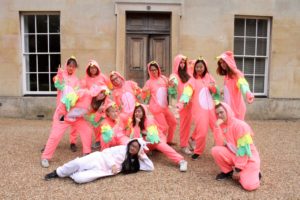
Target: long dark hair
131,163
205,70
183,75
142,122
223,72
89,73
95,104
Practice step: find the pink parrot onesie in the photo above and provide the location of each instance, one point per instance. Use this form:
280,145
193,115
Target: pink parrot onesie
92,84
185,113
99,164
125,97
235,149
155,138
157,90
235,87
74,119
199,92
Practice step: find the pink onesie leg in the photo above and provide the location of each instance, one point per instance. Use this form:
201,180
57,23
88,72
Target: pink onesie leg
169,152
185,125
57,131
201,131
73,135
249,177
171,120
85,130
223,158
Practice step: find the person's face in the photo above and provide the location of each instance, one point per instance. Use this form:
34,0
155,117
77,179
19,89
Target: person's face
153,71
182,63
134,148
116,80
101,95
138,113
221,113
71,68
111,112
93,70
223,64
199,68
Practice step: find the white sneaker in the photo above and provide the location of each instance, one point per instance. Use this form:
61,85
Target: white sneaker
45,163
183,166
192,143
186,151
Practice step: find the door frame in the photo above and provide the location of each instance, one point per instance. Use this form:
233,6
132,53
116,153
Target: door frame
121,7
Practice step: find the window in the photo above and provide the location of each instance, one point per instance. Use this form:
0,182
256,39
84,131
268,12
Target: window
251,51
41,52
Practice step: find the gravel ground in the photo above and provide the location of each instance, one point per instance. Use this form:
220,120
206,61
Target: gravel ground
22,176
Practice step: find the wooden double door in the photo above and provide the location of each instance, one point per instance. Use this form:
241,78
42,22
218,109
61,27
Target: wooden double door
147,39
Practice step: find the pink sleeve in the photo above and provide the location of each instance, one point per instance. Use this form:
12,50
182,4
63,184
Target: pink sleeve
218,136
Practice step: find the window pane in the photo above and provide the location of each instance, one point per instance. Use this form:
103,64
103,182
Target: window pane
259,84
250,81
43,82
250,46
260,66
54,62
239,27
239,46
43,63
249,66
31,84
29,43
52,84
54,41
261,46
30,63
41,23
54,24
250,27
262,29
29,24
239,63
42,43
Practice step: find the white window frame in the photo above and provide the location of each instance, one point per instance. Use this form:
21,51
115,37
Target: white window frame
267,56
25,82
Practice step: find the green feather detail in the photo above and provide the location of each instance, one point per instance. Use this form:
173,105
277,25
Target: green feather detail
243,145
107,133
216,96
58,85
172,92
184,98
152,134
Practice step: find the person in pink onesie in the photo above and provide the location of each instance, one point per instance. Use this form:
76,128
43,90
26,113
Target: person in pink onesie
234,151
124,95
177,80
141,126
199,91
126,159
96,113
66,82
156,89
75,119
235,85
111,134
94,78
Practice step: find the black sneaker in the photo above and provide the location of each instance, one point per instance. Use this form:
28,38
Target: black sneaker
43,149
195,156
73,147
51,175
223,176
259,176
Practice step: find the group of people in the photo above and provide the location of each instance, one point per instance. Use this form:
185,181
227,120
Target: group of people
115,111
